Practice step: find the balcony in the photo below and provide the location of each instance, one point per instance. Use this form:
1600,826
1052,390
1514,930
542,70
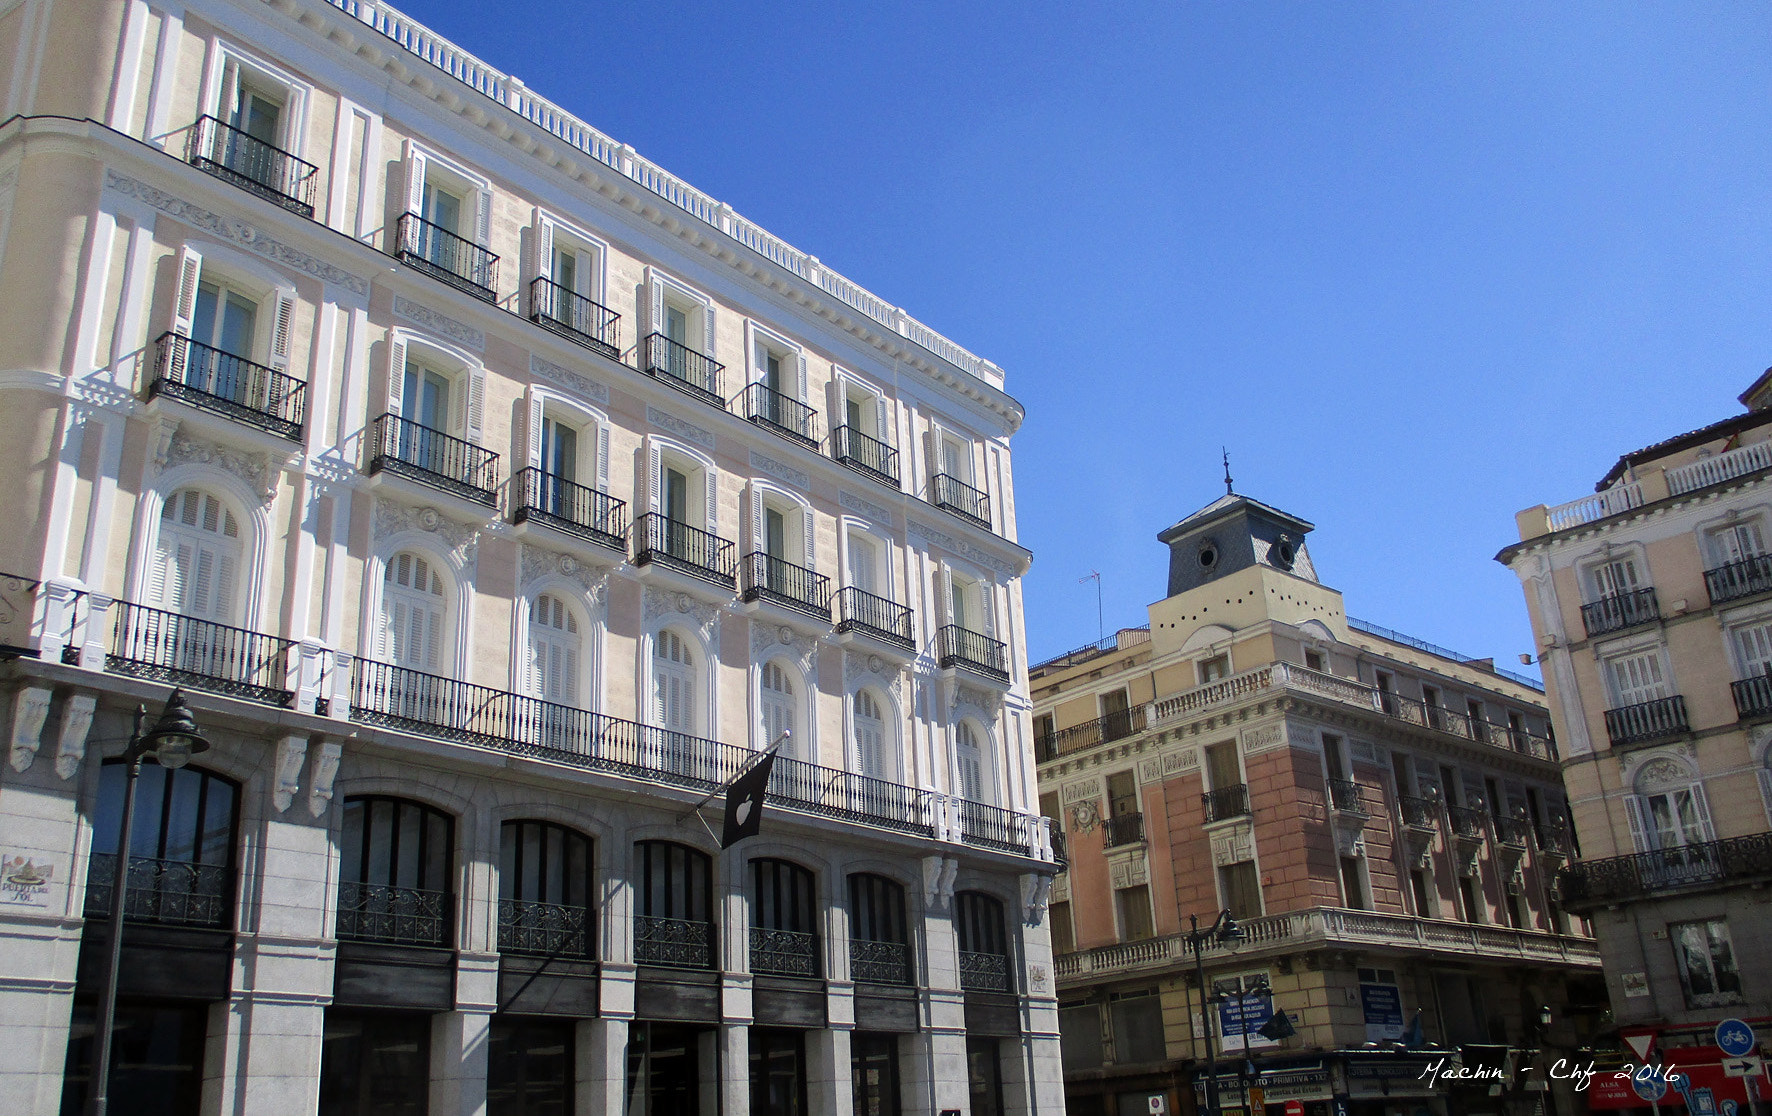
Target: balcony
431,457
252,164
1555,840
1226,803
978,653
1616,613
1468,823
1648,720
1753,696
1732,861
683,368
1124,829
544,929
780,413
163,892
873,962
1348,797
18,607
1746,578
1419,813
983,972
575,317
992,827
865,455
884,620
184,651
1102,730
787,953
394,915
591,515
1513,832
228,385
682,547
673,943
768,578
443,255
951,494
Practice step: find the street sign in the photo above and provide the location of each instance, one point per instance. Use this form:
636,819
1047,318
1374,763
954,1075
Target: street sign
1650,1088
1742,1067
1702,1102
1159,1104
1294,1108
1641,1043
1735,1038
1257,1099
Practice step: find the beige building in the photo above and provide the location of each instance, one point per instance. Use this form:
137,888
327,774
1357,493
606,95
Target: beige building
497,496
1651,604
1382,817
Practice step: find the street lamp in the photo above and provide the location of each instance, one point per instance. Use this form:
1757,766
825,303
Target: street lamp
171,743
1223,931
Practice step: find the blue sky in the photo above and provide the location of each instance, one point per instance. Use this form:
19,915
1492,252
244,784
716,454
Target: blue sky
1417,265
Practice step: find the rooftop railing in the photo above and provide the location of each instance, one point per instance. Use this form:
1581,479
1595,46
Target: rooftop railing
1719,467
1621,497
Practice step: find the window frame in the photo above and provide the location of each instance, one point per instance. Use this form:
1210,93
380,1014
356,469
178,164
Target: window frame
1712,929
223,54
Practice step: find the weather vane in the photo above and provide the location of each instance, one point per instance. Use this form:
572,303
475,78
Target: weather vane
1227,470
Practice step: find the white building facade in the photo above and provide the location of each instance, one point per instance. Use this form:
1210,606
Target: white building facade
496,497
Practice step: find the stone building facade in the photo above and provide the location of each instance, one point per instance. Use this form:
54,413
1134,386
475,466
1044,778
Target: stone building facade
497,497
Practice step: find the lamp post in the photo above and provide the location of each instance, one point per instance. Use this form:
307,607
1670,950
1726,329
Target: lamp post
171,743
1223,931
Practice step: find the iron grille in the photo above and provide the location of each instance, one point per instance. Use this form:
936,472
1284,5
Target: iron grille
983,972
591,515
676,943
979,653
683,368
783,952
183,650
767,577
443,255
873,962
867,455
954,495
399,445
252,164
781,413
575,317
229,385
393,915
165,892
542,929
885,620
1226,802
1648,720
690,549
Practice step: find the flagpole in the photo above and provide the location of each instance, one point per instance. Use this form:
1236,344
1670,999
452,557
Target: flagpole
750,763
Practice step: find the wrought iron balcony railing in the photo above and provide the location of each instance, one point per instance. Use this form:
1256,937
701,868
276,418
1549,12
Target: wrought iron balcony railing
443,255
983,972
1647,720
1744,578
868,455
1753,696
591,515
873,962
683,368
784,952
675,943
769,578
887,621
1733,860
979,653
1348,796
18,609
164,892
1124,829
1621,611
575,317
398,445
252,164
1226,802
394,915
951,494
991,827
1102,730
680,546
185,651
1419,813
1514,832
544,929
1555,839
781,413
228,385
1468,823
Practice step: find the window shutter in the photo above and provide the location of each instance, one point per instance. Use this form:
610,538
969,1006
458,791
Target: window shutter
811,543
184,304
476,404
654,302
833,403
535,461
602,429
483,218
541,248
281,325
654,480
710,484
1641,829
803,390
225,577
944,588
396,373
1766,791
1702,806
758,538
987,607
707,323
415,179
931,454
883,419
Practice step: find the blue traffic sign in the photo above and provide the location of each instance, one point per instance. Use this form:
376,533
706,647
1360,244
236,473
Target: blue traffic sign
1702,1102
1650,1087
1735,1037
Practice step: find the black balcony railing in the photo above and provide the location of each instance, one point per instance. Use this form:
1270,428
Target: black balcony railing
165,892
1624,610
1514,832
769,578
683,368
1555,839
950,493
167,647
1739,579
443,255
1419,813
18,607
979,653
1647,720
887,621
229,385
1753,696
1061,853
575,317
1102,730
676,943
1468,822
432,457
1125,829
1226,802
983,972
868,455
879,962
784,952
543,929
591,515
393,915
1348,796
1732,860
991,827
252,164
680,546
781,413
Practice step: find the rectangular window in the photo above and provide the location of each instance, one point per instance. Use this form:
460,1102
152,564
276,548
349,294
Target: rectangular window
1334,757
1637,678
1221,765
1753,650
1516,911
1313,660
1425,907
1134,905
1240,889
1064,935
1473,906
1138,1027
1353,882
1079,1035
1737,542
1215,668
1122,788
1705,958
1613,578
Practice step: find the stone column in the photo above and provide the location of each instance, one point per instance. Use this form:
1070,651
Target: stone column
829,1090
458,1063
932,1072
602,1067
735,1072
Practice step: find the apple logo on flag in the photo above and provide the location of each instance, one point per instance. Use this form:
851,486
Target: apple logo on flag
743,813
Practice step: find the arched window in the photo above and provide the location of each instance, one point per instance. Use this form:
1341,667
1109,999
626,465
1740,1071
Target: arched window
983,940
970,765
871,755
554,644
413,611
181,855
1668,810
673,682
673,909
784,919
879,942
778,704
396,872
197,558
544,890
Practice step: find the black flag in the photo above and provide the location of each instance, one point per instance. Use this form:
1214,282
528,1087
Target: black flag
1277,1027
744,802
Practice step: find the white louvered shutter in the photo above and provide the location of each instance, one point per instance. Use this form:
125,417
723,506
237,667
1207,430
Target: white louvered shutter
282,326
483,218
809,536
970,763
1642,828
778,703
415,179
1754,648
602,433
712,489
861,565
1701,815
759,531
554,651
535,461
803,388
541,264
883,420
474,398
870,736
412,605
655,313
396,374
707,328
184,302
1615,577
1740,541
673,681
1638,678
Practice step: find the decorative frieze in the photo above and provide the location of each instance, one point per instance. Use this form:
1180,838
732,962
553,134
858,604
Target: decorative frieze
539,562
681,427
439,323
781,471
581,386
862,506
937,537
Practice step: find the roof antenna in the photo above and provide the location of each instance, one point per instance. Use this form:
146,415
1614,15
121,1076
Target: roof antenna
1227,471
1100,625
